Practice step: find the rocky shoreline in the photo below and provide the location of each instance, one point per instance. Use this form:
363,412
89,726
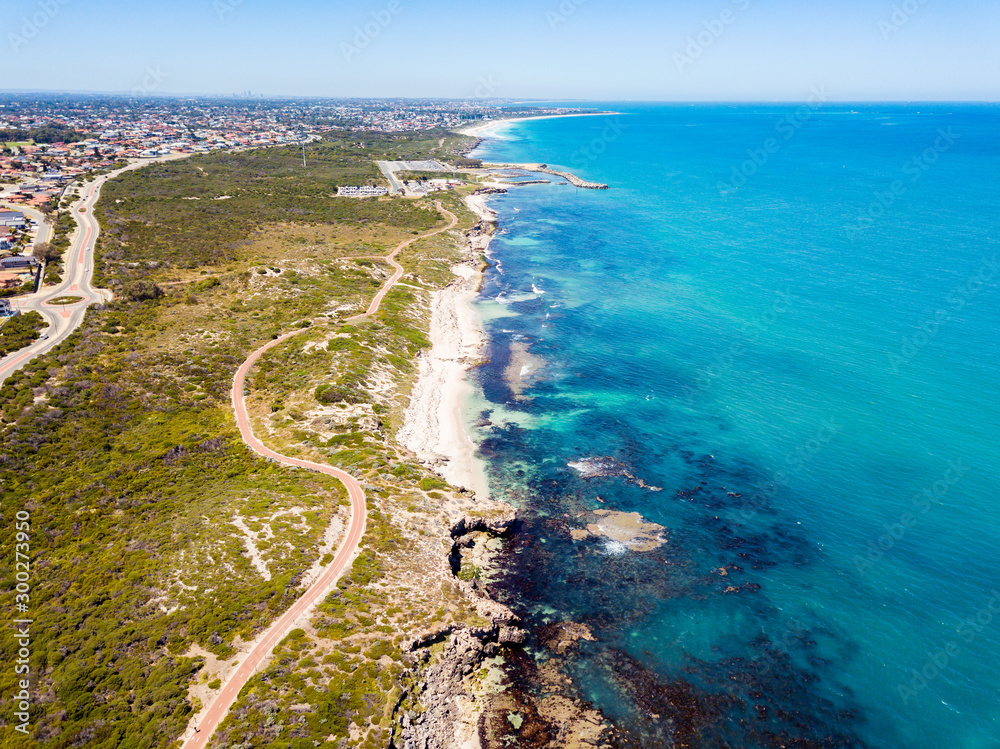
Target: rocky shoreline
470,679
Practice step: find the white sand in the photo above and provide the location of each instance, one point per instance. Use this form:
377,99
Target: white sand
434,426
486,128
477,204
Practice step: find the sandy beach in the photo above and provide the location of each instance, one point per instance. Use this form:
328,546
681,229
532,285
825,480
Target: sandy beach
433,426
486,128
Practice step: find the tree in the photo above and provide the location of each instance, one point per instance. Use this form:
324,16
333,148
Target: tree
46,252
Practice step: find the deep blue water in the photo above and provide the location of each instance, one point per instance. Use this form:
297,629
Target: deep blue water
788,320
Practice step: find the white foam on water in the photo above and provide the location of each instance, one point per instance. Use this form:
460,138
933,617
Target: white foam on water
614,548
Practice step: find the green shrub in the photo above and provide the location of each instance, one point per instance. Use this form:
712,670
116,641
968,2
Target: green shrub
329,393
20,331
141,290
429,482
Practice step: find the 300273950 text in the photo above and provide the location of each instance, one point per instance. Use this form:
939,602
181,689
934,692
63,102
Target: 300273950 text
22,626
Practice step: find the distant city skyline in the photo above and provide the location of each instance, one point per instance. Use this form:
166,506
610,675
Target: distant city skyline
727,50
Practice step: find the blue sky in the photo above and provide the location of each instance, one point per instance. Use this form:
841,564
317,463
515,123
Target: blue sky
548,49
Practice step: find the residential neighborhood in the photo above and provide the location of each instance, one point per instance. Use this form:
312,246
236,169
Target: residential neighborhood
48,141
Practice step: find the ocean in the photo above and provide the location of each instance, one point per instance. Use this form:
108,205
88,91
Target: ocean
775,337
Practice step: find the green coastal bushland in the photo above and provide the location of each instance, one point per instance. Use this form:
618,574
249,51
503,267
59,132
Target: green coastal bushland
159,544
20,331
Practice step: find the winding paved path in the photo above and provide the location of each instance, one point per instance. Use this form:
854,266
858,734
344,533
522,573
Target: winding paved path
266,643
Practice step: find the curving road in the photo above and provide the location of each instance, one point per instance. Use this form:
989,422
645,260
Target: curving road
266,643
78,265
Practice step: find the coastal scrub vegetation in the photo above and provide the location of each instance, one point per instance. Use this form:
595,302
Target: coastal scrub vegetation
336,393
20,331
155,534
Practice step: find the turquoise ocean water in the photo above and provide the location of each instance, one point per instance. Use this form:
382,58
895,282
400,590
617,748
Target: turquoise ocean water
787,319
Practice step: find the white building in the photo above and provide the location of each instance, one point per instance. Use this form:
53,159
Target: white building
12,218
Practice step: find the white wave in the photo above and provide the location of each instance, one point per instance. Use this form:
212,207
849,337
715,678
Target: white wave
519,296
584,467
614,548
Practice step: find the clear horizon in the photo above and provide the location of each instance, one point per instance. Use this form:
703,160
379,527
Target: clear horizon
575,103
579,50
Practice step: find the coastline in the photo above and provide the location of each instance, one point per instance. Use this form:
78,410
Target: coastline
486,128
433,425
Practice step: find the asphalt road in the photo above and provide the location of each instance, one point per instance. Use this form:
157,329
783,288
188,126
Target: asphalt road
394,187
78,270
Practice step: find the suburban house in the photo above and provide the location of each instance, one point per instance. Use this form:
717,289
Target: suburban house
10,280
12,218
17,262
